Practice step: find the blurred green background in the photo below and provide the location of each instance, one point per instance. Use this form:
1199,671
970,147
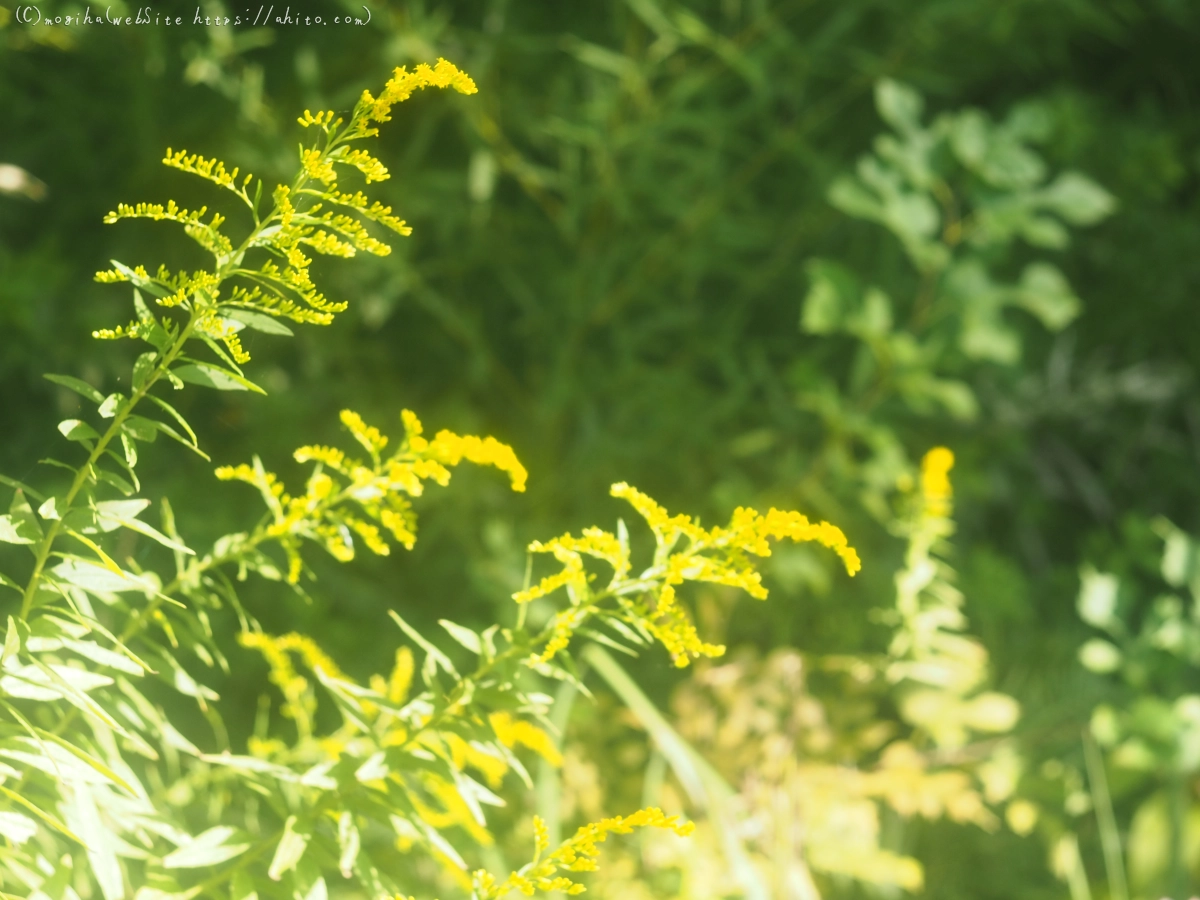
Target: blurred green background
609,263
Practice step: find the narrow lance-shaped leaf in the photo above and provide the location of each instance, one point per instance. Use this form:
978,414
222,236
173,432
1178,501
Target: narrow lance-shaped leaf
77,385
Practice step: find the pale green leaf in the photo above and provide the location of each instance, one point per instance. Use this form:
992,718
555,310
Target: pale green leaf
349,843
258,321
1100,656
16,827
1046,293
84,819
77,430
291,848
464,636
208,375
111,404
433,652
112,513
206,849
18,530
105,657
1078,199
1097,602
12,642
93,577
898,104
40,813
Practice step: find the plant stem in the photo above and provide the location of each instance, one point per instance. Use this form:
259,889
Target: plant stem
1110,838
81,475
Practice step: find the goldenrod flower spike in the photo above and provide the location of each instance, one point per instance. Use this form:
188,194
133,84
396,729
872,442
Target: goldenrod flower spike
716,555
577,854
346,498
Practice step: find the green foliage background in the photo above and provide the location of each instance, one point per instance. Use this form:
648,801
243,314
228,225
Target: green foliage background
607,271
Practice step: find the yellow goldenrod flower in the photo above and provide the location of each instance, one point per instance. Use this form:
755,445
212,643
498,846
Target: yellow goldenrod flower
935,481
510,732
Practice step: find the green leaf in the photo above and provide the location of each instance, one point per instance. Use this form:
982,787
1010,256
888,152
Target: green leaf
874,318
16,827
1043,231
209,848
90,576
208,375
140,428
19,530
114,514
1078,199
41,814
433,652
78,386
142,367
969,137
81,813
1045,292
349,843
12,643
110,513
171,432
1097,603
22,523
127,443
899,105
49,509
257,321
22,486
602,638
1100,656
77,430
107,561
464,636
853,199
831,296
291,848
105,657
111,404
27,681
171,411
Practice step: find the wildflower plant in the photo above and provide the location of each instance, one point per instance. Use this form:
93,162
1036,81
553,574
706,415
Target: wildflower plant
104,794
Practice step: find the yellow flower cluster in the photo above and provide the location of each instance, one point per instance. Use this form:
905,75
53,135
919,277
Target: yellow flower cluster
717,555
376,211
401,86
317,166
212,325
299,704
372,169
380,490
511,732
157,211
395,688
211,169
324,119
577,854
